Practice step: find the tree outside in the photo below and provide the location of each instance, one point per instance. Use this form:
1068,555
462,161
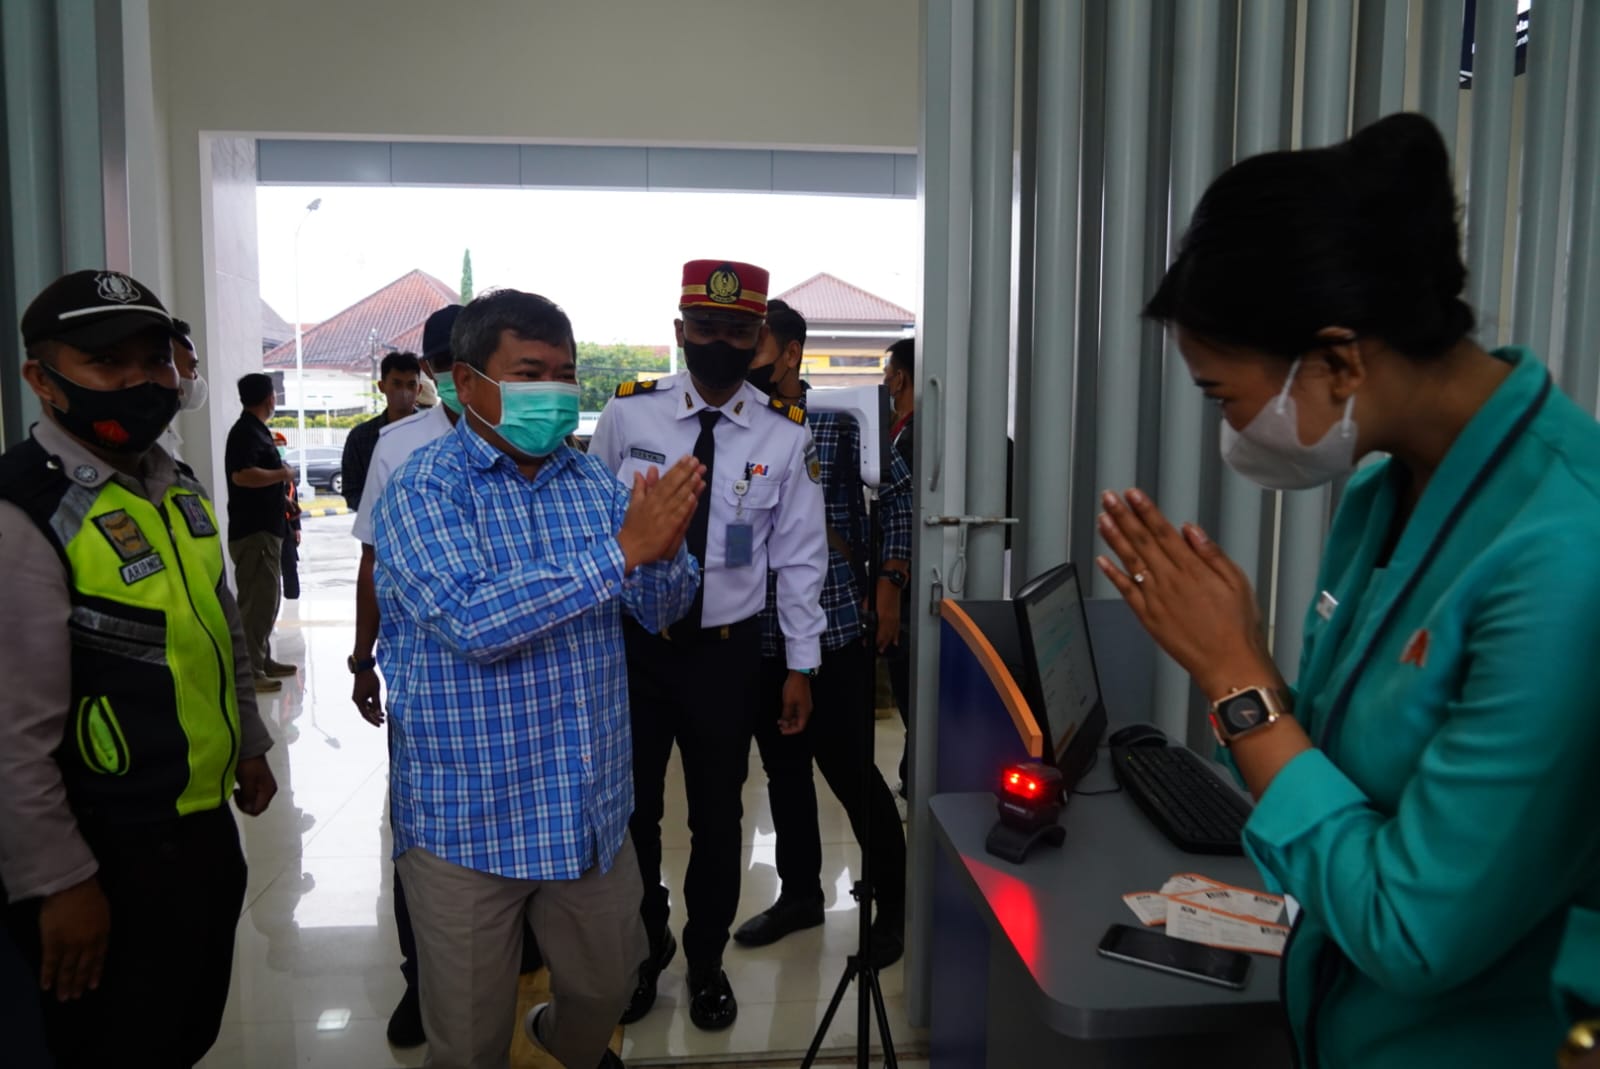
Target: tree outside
602,367
466,276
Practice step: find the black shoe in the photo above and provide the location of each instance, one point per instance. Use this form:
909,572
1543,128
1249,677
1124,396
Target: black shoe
644,995
785,916
712,1006
887,941
405,1023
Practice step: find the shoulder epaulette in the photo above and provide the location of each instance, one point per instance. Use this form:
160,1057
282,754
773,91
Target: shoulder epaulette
784,408
634,389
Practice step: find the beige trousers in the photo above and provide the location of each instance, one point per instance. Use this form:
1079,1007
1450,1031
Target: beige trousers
469,925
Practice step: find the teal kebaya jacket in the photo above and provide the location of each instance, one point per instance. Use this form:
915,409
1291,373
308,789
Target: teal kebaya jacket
1448,821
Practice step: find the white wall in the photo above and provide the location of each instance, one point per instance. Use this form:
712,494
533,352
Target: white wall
826,74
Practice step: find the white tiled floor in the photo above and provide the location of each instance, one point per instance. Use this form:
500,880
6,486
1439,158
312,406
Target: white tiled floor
316,966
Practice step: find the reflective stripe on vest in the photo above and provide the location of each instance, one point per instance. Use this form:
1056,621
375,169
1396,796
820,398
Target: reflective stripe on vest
146,616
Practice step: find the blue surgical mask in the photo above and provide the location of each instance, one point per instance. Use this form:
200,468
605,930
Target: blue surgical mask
535,417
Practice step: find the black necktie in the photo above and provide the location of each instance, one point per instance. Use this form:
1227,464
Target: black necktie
705,451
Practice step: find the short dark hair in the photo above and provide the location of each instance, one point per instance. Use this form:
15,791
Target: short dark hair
476,335
254,388
184,333
43,350
399,362
1362,234
786,324
903,356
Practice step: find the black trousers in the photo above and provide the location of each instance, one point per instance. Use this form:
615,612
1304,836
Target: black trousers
696,692
898,659
176,889
841,704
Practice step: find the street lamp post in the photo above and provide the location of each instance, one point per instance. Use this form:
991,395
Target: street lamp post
299,357
372,354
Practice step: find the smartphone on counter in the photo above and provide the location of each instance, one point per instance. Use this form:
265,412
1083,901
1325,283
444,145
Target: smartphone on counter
1157,950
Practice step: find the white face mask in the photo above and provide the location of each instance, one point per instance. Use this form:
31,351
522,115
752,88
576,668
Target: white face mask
1269,450
192,393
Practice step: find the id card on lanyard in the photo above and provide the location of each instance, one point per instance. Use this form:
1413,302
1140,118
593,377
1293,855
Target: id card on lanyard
740,535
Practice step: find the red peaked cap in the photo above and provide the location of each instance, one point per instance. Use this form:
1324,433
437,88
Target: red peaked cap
724,286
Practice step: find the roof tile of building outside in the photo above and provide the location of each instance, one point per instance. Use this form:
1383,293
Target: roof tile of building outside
825,298
343,342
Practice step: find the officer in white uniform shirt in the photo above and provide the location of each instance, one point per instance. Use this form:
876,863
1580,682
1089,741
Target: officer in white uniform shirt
696,685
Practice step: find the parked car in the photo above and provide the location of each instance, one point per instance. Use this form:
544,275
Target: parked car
323,466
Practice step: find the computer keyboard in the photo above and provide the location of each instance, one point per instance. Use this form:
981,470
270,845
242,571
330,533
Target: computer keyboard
1183,797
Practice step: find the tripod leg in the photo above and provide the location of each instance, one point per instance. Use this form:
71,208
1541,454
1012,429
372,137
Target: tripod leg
889,1060
827,1018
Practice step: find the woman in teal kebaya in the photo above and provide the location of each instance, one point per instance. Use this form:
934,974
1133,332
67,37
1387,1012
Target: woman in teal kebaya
1427,795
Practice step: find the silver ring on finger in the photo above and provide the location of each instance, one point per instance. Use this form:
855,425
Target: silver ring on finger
1140,577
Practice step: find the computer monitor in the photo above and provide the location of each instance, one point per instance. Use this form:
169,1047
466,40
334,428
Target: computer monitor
1059,676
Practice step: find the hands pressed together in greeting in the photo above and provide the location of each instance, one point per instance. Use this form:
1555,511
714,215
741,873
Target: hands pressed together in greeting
1200,608
658,516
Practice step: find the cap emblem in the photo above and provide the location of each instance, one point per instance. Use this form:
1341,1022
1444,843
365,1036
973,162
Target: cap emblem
723,285
119,288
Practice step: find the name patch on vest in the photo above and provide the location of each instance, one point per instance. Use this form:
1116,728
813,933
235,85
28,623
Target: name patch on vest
142,569
122,531
195,515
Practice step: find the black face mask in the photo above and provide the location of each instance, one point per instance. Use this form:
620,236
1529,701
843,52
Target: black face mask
718,365
761,378
126,421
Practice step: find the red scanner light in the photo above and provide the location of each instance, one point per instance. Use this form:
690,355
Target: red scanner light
1022,785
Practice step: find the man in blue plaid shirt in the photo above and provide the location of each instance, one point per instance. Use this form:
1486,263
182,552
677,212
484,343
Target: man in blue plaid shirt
504,562
840,690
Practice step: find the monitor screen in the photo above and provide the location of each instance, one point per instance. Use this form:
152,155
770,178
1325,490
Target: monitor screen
1062,684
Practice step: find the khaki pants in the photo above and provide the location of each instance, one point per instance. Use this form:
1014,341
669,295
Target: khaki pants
468,926
258,571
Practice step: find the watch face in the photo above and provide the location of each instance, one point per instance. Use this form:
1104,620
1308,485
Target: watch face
1243,713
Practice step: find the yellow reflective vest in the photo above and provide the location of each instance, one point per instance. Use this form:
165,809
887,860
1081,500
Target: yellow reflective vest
153,729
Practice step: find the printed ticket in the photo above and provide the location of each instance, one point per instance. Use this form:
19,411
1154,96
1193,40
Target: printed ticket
1200,924
1238,901
1148,906
1185,882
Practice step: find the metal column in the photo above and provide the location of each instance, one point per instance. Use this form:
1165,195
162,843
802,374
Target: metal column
1380,60
1051,393
1442,24
1127,112
1303,520
1262,124
994,77
83,233
1084,541
1550,38
1580,371
1202,113
1493,67
32,175
945,190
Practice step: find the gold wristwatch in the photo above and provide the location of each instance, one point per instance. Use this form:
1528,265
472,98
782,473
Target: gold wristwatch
1248,709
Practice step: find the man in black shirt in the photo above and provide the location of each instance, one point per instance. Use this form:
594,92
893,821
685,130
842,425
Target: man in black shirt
257,478
398,381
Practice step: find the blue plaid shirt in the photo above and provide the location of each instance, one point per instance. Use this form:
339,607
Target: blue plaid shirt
501,639
838,441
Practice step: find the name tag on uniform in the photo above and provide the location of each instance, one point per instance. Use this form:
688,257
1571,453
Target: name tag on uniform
741,541
1326,604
